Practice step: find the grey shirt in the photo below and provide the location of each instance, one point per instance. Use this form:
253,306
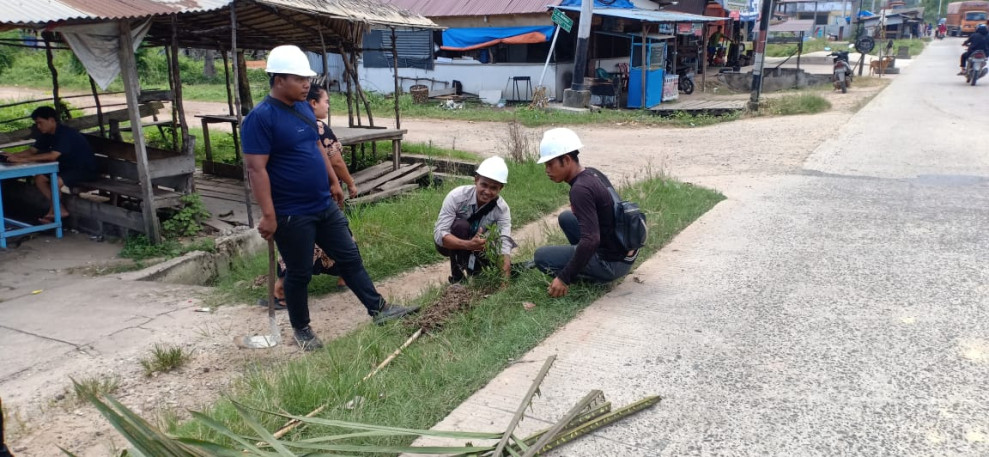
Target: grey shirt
462,202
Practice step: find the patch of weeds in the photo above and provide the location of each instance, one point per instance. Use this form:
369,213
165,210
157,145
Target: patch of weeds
520,144
188,220
164,358
685,119
97,386
140,248
795,104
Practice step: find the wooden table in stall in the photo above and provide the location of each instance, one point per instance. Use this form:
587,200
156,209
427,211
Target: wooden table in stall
11,171
348,136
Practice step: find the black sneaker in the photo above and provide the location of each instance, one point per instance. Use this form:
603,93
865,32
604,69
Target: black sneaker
307,339
391,312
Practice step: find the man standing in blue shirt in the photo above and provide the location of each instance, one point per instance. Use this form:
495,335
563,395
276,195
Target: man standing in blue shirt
293,183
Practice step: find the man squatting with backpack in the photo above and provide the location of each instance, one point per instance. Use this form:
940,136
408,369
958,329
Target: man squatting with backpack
595,252
295,186
467,211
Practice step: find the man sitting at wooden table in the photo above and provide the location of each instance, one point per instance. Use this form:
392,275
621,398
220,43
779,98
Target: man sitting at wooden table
57,143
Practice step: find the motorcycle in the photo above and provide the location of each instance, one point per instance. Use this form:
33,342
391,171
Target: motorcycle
686,80
975,68
842,76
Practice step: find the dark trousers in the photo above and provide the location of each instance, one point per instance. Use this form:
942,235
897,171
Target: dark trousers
460,260
328,229
965,55
552,259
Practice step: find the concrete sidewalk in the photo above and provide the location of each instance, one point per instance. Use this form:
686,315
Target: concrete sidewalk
841,311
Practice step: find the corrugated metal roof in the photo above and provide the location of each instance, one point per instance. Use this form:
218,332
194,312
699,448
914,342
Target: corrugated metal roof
440,8
368,11
647,15
39,13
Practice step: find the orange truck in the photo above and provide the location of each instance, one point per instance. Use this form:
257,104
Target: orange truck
964,17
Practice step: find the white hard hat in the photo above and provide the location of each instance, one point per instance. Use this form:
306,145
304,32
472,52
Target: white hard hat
494,168
289,59
557,142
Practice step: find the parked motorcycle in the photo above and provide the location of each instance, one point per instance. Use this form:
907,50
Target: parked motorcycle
842,77
975,68
686,80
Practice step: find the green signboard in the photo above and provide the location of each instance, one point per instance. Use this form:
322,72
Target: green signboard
562,20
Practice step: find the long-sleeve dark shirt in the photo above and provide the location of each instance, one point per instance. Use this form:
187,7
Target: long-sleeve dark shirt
595,211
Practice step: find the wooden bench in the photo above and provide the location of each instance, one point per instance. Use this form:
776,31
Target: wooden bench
116,198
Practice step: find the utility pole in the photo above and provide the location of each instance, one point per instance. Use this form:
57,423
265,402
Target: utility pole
583,36
578,95
760,53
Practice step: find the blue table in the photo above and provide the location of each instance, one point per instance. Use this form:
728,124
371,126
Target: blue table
9,171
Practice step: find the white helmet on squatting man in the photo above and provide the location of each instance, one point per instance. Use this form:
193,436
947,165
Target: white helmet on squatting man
494,168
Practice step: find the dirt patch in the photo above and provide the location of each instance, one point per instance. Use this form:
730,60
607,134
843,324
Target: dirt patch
453,299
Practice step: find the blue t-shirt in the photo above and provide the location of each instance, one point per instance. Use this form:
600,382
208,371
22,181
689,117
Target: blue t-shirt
296,168
76,161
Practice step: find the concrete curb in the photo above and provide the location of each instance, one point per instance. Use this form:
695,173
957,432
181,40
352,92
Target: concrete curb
201,268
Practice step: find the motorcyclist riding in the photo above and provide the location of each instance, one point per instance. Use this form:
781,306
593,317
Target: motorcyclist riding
978,41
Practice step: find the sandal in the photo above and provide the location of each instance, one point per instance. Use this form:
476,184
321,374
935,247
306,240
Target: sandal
279,303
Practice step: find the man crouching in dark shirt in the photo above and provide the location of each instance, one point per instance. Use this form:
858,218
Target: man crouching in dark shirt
594,253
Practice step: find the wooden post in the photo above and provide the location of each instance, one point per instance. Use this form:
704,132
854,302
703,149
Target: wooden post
240,116
132,86
702,53
226,77
188,146
246,100
59,109
171,91
99,106
326,72
396,145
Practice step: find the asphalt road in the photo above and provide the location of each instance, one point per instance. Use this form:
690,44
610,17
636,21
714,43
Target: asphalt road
840,310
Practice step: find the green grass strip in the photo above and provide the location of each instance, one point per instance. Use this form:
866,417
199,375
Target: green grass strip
438,372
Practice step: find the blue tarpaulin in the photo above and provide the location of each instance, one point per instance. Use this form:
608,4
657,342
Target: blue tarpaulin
599,4
475,38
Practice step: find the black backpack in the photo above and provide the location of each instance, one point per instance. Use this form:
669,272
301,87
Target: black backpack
630,223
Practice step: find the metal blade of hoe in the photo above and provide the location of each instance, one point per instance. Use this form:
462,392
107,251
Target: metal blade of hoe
274,337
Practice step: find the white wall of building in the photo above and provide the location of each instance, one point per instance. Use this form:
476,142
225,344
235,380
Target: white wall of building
473,75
